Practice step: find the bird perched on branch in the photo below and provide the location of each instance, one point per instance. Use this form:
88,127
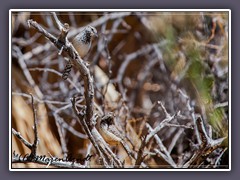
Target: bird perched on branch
109,131
82,43
111,134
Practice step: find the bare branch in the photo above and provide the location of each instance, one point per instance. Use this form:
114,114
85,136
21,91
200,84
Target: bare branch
161,124
24,141
219,158
191,110
34,145
206,148
55,72
166,154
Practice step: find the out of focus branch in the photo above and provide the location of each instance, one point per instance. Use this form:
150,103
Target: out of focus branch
207,146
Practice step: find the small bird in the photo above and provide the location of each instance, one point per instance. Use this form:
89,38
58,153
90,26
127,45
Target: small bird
109,131
82,42
111,134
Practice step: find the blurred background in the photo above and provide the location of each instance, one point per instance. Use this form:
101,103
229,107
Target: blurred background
138,59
